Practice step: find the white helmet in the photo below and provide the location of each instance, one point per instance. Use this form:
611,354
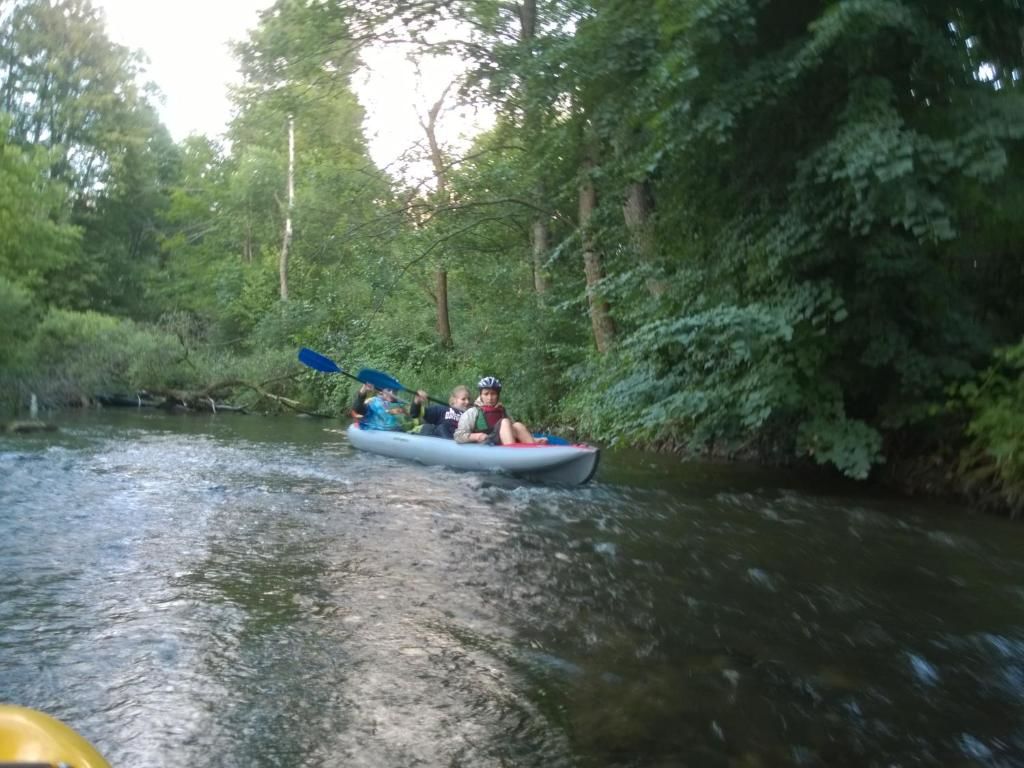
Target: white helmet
489,382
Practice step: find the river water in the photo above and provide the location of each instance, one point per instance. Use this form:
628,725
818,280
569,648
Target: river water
247,591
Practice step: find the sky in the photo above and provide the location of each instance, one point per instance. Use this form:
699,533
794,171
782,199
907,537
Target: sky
187,44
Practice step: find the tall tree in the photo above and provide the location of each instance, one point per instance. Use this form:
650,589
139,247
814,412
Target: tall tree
289,206
442,199
72,91
68,88
299,62
37,239
600,313
533,125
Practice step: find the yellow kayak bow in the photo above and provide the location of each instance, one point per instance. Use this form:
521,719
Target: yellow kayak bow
28,737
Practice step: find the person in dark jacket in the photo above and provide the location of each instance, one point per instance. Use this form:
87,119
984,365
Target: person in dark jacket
441,420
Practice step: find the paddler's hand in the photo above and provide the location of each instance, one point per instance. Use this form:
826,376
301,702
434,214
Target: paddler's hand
421,397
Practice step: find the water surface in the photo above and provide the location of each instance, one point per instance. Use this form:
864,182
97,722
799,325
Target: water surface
246,591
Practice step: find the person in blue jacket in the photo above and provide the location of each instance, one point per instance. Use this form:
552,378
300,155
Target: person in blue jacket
382,409
441,420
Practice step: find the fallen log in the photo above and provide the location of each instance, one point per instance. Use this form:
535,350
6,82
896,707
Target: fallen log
165,399
28,426
207,399
140,399
203,401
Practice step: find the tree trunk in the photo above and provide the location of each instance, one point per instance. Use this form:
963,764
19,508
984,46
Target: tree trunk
247,244
636,210
600,312
540,243
444,329
528,18
287,240
540,238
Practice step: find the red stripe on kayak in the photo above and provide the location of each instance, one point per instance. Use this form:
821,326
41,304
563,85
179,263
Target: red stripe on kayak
545,445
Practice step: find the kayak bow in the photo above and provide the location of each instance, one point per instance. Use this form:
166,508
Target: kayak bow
29,737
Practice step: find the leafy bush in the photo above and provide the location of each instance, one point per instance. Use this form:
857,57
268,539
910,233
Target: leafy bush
243,297
18,316
993,461
725,379
848,444
286,324
83,353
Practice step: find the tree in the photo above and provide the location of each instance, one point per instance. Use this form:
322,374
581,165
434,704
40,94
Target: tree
71,91
443,199
37,240
288,206
600,313
68,88
297,66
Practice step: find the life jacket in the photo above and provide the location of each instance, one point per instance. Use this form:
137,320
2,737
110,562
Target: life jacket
488,416
385,415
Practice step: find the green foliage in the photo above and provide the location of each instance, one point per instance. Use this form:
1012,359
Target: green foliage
36,241
824,163
122,228
244,294
18,318
68,88
287,324
733,351
98,154
993,461
84,353
717,379
851,446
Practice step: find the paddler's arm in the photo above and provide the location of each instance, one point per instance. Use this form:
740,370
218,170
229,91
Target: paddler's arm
464,432
417,404
359,401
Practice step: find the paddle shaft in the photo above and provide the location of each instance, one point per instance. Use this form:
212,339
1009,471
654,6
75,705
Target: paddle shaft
376,379
431,399
381,380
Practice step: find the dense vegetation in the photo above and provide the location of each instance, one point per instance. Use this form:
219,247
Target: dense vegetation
759,227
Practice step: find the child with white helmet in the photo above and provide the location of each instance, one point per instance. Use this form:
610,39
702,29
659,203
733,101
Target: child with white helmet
487,421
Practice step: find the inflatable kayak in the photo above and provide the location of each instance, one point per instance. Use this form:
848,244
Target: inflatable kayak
30,738
561,464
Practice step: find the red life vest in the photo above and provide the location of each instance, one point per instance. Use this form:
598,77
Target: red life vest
489,416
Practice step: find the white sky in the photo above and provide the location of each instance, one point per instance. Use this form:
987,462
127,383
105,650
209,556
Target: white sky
187,43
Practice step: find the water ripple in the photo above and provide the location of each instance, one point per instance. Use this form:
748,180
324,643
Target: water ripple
244,592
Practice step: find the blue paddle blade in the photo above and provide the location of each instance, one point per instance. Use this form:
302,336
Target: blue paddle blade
552,439
379,379
318,362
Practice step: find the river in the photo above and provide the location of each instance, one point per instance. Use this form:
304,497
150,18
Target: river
247,591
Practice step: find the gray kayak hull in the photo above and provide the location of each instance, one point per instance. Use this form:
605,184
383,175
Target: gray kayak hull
561,464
